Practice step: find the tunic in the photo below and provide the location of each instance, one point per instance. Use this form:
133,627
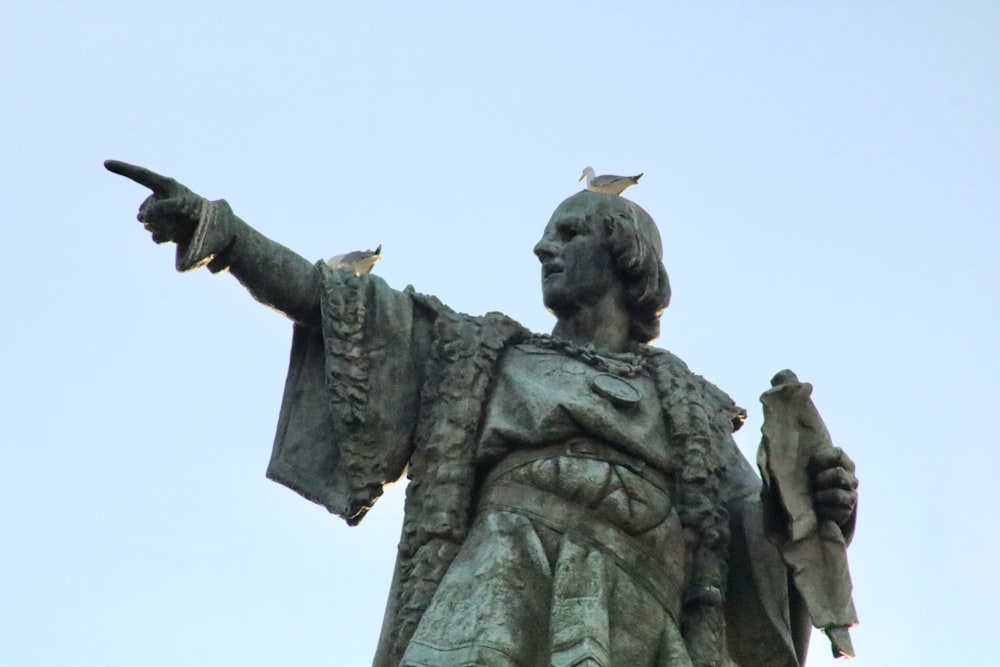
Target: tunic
557,565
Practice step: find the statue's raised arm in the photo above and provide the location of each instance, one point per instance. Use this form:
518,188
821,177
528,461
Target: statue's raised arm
209,233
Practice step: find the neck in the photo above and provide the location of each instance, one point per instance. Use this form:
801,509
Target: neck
604,325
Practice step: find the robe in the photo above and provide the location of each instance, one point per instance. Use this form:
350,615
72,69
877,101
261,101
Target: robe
394,382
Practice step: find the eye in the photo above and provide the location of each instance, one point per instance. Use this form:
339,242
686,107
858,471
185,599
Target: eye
568,231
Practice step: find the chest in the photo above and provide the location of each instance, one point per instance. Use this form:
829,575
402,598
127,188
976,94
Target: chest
543,396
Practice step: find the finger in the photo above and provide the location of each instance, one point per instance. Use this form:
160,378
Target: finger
154,210
837,515
165,230
835,499
830,457
835,478
158,183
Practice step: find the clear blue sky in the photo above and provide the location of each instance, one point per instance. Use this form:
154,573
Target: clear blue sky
825,177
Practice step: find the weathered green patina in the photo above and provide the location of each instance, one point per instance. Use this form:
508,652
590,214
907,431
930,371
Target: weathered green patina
574,499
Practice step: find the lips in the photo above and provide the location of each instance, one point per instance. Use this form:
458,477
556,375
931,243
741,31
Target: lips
551,269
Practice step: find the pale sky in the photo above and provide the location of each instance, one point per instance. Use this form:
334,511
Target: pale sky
824,175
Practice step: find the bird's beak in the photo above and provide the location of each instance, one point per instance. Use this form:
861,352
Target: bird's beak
581,178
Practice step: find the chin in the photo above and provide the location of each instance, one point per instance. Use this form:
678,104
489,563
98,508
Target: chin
558,304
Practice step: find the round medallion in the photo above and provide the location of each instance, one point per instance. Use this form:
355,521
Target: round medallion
617,390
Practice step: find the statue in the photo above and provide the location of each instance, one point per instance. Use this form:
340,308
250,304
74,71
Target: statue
574,499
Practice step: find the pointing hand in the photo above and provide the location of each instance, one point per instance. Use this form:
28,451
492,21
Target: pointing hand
172,212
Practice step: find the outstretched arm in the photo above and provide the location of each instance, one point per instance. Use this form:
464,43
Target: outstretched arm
209,233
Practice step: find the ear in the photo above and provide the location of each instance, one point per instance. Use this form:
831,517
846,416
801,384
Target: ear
608,225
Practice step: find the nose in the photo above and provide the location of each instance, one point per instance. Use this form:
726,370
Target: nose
544,251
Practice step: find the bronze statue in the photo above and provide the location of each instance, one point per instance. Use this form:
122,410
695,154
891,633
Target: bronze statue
574,498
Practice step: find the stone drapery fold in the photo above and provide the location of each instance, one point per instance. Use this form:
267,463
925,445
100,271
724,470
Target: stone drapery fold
440,496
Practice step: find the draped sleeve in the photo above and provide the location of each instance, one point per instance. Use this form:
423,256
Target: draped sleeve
765,624
350,405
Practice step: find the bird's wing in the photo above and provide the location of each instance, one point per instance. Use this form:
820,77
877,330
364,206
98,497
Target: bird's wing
609,179
356,256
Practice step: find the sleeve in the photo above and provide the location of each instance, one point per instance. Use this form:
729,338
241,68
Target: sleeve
274,275
349,409
351,398
765,625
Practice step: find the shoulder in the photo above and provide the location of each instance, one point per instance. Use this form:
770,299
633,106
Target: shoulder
492,330
672,371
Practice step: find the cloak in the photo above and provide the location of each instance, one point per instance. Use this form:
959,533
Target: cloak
396,382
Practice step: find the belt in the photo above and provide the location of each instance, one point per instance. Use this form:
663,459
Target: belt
581,448
661,574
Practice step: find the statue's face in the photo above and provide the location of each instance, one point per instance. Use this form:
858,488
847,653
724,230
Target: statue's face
577,268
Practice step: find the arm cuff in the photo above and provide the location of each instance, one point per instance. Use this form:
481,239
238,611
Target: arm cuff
210,240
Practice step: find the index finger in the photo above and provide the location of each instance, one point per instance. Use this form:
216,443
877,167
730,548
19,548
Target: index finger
158,183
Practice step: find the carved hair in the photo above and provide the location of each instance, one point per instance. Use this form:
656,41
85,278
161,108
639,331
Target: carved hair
638,255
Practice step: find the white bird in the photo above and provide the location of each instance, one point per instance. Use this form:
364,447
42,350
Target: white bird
362,261
612,185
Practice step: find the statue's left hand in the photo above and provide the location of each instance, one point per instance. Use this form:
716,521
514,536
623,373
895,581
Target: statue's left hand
835,486
172,212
